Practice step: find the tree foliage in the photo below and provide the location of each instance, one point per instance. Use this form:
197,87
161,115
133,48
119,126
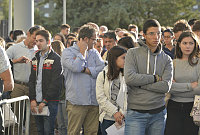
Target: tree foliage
120,13
114,13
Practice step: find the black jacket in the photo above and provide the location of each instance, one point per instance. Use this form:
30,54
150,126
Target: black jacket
52,77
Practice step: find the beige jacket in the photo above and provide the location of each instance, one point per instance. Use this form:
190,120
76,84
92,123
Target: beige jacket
103,95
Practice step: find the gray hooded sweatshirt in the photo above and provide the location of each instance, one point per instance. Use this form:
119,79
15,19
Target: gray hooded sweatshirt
140,66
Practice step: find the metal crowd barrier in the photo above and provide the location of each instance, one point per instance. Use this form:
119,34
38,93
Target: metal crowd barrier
20,106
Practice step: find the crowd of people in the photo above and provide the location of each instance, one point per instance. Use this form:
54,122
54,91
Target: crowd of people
93,77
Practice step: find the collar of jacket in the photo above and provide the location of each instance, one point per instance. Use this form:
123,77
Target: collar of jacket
50,51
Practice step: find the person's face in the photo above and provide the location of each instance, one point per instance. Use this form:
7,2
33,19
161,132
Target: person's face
177,35
31,39
187,46
168,38
65,31
120,61
120,34
134,30
70,39
99,46
57,38
41,43
92,41
153,36
109,43
197,33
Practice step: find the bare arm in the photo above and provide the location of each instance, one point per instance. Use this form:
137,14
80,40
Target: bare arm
7,78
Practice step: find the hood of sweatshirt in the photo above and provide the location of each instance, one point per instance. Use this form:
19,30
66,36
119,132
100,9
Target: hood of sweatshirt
155,54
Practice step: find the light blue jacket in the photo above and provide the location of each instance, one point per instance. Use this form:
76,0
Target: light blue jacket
81,87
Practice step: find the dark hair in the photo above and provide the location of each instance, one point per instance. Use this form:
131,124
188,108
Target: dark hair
194,53
86,31
68,37
45,34
192,21
71,34
113,54
64,26
110,34
150,23
181,25
61,36
17,33
11,32
126,42
168,30
58,46
131,26
196,26
72,43
76,29
35,28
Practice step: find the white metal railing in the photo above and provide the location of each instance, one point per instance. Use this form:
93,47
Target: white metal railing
20,106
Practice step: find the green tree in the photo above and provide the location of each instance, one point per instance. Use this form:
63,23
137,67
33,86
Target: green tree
120,13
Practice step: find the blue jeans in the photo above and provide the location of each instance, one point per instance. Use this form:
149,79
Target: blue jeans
105,124
45,124
62,118
144,123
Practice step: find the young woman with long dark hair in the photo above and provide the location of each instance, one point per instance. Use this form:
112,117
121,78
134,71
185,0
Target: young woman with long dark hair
108,85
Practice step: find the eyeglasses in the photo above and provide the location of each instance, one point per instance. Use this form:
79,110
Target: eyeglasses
154,33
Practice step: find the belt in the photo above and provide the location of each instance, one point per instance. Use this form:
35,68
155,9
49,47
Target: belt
22,83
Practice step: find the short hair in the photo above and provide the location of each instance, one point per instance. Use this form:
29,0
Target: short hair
86,31
168,30
110,34
17,33
131,26
150,23
104,27
126,42
71,34
192,21
58,46
195,51
196,26
75,30
45,34
118,29
181,25
35,28
96,27
64,26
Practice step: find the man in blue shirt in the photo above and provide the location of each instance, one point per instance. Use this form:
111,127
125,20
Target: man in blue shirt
81,64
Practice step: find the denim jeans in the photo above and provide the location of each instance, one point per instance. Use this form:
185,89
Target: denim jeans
62,118
144,123
45,124
105,124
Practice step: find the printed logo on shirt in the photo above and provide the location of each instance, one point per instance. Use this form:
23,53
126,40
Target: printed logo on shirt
48,64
